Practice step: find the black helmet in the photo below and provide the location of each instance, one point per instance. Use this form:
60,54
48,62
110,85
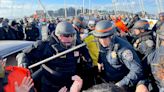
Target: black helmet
78,21
104,28
14,22
33,24
64,28
141,24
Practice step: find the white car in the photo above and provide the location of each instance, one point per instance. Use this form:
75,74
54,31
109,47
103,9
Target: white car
10,49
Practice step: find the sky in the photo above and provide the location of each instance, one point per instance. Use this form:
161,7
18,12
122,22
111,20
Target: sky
20,8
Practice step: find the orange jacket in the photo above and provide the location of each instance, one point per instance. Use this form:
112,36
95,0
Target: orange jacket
119,24
15,74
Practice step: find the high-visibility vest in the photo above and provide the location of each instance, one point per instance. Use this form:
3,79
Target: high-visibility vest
93,48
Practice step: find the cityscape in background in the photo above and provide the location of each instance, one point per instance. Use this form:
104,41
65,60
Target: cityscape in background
58,8
71,11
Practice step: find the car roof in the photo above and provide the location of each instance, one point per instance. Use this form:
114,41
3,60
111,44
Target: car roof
10,47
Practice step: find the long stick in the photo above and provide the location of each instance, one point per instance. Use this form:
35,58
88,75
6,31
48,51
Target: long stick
57,55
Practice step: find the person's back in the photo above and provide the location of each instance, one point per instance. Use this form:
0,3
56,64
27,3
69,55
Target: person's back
11,34
2,34
14,32
31,32
93,48
51,28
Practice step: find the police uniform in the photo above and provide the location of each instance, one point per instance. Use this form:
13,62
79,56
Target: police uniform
78,24
31,32
144,44
58,72
121,63
51,28
131,23
4,30
2,34
154,62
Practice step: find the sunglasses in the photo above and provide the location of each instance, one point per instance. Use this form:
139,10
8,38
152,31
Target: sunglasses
67,35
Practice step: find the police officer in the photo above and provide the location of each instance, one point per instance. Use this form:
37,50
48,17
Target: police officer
92,46
86,32
12,32
1,20
143,41
59,71
91,25
3,33
156,60
31,32
159,22
117,57
133,20
79,25
51,27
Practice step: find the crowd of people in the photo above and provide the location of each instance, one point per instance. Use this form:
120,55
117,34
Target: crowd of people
122,54
22,30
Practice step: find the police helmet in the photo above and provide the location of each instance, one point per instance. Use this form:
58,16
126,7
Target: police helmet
141,24
161,14
64,28
104,28
92,23
14,22
78,21
5,22
33,24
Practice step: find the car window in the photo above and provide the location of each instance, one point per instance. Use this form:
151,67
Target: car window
11,60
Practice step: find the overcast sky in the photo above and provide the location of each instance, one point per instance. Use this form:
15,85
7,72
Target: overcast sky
20,8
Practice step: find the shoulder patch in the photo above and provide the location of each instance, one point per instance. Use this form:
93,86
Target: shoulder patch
114,54
150,43
127,55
